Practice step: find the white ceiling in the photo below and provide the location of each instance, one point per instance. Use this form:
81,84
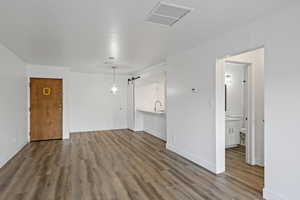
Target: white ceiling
82,34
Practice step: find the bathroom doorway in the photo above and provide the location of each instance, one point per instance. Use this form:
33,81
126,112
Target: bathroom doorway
237,119
240,129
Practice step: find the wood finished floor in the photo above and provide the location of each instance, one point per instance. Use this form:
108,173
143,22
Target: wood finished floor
112,165
236,167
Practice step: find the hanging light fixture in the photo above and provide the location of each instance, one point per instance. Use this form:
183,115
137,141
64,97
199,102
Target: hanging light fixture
114,89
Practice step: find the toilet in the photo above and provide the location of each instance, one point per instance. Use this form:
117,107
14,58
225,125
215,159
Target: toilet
243,133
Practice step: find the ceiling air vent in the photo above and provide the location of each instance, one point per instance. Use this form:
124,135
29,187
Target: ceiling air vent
167,14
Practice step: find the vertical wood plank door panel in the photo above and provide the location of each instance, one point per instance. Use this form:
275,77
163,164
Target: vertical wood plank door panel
45,109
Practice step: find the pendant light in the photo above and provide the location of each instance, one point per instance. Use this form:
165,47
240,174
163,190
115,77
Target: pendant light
114,89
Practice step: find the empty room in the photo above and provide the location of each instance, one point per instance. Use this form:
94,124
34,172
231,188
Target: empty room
149,100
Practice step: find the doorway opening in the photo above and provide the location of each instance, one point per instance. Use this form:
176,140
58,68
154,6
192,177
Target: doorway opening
237,118
147,104
240,117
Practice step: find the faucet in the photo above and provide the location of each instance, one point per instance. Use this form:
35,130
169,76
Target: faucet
155,103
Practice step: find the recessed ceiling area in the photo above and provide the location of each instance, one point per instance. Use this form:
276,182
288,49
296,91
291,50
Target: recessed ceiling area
83,34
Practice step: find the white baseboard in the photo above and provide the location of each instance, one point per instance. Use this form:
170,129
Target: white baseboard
66,137
93,130
268,195
194,158
259,163
137,130
231,146
155,133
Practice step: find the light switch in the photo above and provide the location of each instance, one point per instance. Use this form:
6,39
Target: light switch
195,90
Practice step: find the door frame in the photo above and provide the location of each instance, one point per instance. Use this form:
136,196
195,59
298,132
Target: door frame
250,136
219,111
131,105
29,104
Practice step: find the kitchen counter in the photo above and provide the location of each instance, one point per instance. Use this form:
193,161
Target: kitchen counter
151,122
152,112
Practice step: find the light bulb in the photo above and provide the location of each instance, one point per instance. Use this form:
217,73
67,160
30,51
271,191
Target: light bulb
228,79
114,89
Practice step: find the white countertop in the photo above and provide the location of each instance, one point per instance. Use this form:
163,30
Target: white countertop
149,111
234,117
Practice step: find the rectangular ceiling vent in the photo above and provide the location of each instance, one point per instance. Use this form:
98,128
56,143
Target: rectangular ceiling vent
167,14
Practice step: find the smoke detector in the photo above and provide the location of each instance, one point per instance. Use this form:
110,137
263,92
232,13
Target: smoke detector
167,14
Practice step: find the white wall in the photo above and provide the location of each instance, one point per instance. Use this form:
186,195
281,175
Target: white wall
93,106
38,71
147,93
13,101
88,103
256,58
191,117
